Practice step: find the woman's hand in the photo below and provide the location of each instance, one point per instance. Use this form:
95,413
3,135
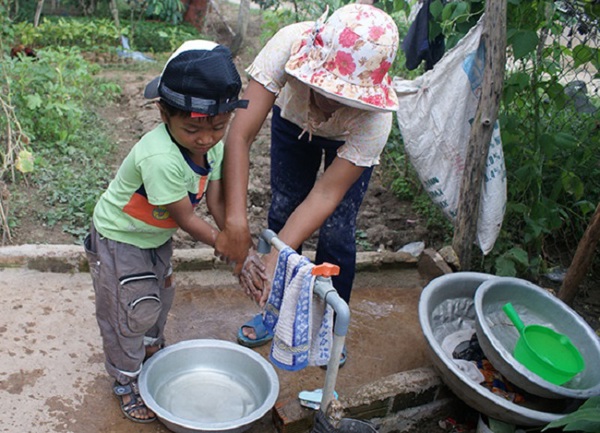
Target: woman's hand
253,277
270,262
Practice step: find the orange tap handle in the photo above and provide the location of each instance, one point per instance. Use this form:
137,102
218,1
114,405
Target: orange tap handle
326,270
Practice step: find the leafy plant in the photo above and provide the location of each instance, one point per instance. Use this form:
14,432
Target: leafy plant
170,11
585,419
48,94
83,33
550,142
101,35
549,126
54,99
167,10
159,37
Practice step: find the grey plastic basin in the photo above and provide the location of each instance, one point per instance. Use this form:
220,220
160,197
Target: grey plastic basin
208,386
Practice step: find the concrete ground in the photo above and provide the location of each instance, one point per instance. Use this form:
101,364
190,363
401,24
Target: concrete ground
52,377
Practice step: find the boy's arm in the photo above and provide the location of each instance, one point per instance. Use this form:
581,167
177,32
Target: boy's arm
234,241
215,201
182,212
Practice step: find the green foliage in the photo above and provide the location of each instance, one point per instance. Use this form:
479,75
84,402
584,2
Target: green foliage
55,98
585,419
15,10
101,35
550,144
454,19
273,21
170,11
158,37
395,7
550,130
72,184
84,33
362,241
164,10
6,30
49,97
401,175
512,262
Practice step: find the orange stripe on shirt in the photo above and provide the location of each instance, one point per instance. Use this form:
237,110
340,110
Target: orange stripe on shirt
201,184
156,216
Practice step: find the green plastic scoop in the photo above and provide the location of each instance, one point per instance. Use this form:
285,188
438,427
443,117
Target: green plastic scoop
550,355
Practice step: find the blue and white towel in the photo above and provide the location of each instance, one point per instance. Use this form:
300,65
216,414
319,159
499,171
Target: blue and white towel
302,324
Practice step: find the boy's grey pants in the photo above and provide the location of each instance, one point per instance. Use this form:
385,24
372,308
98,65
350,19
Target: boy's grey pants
134,293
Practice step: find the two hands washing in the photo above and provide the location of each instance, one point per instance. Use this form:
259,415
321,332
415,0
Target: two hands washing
255,276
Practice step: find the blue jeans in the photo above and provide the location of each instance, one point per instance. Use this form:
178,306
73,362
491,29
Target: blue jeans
294,167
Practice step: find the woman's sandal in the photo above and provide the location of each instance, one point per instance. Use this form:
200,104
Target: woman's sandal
135,403
263,335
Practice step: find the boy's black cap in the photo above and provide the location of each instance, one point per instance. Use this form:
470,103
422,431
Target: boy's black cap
200,77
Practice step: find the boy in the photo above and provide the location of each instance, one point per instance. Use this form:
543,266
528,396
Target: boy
154,192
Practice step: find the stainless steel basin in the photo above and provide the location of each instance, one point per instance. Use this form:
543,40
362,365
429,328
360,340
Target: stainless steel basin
447,306
208,386
497,335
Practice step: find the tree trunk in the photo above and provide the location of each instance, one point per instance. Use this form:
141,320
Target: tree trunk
582,260
494,39
242,26
38,13
114,10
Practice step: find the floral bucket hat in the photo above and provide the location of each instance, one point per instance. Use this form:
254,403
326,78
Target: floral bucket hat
347,57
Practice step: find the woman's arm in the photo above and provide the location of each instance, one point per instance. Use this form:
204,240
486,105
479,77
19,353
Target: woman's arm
234,241
310,215
321,202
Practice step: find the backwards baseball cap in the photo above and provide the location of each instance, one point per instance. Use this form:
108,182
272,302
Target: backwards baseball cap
200,77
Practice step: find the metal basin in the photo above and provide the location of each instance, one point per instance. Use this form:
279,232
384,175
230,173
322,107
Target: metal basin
498,336
208,386
447,306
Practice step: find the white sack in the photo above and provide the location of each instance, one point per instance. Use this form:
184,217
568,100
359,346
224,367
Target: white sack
435,116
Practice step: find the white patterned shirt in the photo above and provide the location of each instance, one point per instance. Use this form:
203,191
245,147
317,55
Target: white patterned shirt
364,132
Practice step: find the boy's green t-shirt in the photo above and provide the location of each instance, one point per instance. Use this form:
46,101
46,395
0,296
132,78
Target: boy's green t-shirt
155,173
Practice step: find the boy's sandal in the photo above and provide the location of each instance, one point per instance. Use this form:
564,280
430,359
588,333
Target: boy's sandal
263,335
135,403
153,350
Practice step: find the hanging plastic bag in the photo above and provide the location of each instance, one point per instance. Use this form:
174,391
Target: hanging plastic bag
435,116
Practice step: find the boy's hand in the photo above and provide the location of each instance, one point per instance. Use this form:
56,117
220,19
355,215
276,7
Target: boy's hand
253,277
232,246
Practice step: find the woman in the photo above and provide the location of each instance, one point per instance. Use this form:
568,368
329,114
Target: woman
327,86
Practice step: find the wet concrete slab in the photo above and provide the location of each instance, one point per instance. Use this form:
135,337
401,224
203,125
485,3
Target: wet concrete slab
52,376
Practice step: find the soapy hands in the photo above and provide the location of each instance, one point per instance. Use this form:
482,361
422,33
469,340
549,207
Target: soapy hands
256,274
